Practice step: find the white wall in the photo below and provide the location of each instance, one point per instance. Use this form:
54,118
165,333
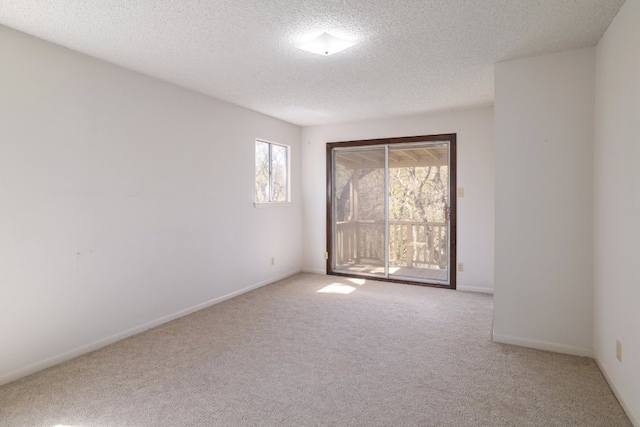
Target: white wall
475,174
123,200
544,109
617,205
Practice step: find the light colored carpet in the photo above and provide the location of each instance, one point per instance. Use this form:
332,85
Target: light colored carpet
287,355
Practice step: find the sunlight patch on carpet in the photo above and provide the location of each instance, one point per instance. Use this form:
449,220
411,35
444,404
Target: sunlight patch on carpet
337,288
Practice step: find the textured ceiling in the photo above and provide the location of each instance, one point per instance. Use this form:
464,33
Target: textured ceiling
412,56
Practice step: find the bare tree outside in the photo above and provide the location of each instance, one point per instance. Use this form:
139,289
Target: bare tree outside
417,194
272,166
262,172
279,163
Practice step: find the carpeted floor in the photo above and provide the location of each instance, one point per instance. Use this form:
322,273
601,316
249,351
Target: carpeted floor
286,355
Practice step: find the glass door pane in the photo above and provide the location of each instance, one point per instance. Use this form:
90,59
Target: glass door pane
359,211
418,212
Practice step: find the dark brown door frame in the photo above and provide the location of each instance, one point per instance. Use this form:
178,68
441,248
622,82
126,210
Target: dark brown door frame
451,138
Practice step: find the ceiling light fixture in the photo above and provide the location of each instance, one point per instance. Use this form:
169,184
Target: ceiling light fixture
326,44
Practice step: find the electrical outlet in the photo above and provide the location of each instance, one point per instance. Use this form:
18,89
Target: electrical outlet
273,260
619,350
460,266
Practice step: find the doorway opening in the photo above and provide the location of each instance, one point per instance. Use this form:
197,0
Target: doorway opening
391,209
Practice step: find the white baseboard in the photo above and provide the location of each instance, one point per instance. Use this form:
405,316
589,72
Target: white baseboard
479,289
314,271
543,345
634,419
54,360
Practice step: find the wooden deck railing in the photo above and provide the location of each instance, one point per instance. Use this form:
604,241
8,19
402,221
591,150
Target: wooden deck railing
411,244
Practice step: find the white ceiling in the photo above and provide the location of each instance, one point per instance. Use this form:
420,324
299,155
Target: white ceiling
412,56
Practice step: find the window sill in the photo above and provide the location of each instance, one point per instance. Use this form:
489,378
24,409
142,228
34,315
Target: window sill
258,205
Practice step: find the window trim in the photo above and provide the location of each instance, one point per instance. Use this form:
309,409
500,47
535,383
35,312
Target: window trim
272,203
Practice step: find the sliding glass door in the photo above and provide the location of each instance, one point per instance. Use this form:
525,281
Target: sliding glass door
360,211
391,214
418,211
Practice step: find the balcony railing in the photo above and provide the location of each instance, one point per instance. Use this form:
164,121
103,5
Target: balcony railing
411,244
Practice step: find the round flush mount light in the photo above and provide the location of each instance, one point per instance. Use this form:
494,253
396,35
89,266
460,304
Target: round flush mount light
326,44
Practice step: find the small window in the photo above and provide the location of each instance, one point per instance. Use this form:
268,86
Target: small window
272,172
